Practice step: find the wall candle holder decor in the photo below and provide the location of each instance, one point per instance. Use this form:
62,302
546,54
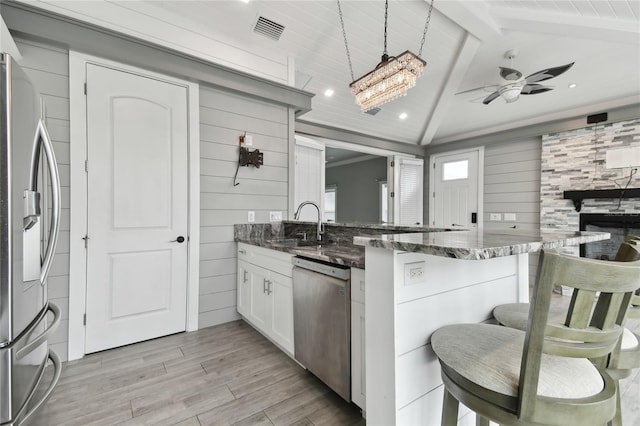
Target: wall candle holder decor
247,157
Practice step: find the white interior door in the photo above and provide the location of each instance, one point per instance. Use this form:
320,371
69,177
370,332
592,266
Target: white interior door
405,190
456,189
137,138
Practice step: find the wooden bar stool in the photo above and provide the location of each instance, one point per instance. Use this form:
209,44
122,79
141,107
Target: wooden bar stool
625,356
543,375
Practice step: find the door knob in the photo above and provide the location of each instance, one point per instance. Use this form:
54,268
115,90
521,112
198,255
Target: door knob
180,239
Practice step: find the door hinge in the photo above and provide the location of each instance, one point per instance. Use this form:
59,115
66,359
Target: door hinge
393,164
84,319
86,241
86,166
434,194
85,88
392,194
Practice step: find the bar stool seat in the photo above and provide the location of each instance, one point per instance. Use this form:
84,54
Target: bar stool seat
626,355
516,316
489,357
544,375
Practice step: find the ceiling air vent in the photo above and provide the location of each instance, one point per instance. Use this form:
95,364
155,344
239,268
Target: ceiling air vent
373,111
268,28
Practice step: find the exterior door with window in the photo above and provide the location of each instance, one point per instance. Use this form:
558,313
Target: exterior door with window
456,189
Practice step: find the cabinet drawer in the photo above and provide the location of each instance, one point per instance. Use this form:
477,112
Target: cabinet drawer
272,260
357,285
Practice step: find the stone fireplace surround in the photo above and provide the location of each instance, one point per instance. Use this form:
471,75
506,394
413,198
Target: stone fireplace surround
575,160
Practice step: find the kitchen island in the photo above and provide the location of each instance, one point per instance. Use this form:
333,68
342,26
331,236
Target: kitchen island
419,282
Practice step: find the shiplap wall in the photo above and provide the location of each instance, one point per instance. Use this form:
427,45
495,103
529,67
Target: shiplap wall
223,117
48,68
512,185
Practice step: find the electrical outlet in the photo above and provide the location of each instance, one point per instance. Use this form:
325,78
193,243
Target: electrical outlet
510,217
495,217
414,273
248,140
275,216
251,216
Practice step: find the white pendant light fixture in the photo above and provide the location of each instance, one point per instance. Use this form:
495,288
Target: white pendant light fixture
392,77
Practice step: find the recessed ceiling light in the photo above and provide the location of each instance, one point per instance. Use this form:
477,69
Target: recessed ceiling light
245,1
403,116
572,86
328,93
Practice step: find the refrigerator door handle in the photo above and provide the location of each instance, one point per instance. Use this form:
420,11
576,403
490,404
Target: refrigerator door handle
42,135
26,349
57,365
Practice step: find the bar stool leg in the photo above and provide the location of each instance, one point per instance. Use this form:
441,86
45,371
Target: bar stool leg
449,410
481,421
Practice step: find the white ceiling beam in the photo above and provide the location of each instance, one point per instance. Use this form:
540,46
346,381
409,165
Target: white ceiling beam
457,71
612,30
473,16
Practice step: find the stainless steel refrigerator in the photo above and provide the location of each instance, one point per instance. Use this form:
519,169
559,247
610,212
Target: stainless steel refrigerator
28,177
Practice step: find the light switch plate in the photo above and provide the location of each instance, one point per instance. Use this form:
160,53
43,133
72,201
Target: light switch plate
495,217
248,140
275,216
510,217
251,216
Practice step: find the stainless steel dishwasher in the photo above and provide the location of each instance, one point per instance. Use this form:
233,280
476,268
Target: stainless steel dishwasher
322,321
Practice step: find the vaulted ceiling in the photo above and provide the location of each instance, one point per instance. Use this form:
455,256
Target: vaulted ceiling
465,45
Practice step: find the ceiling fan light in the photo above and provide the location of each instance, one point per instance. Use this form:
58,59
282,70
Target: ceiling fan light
511,92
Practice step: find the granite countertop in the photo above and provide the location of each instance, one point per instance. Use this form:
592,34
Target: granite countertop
479,244
337,247
349,255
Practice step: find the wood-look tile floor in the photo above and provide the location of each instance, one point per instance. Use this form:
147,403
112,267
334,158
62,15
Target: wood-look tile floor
223,375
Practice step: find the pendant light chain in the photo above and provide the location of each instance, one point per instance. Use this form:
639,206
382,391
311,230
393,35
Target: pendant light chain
426,27
386,15
346,45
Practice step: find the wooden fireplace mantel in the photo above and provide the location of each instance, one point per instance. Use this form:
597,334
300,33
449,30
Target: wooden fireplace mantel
578,196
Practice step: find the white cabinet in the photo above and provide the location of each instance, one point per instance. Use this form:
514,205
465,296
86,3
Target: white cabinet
265,293
243,288
357,338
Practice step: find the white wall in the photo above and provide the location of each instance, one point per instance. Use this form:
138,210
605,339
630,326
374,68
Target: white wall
223,117
152,23
512,183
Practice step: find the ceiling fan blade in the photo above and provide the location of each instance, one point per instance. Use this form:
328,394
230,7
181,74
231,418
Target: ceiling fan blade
490,98
547,74
533,89
510,74
487,88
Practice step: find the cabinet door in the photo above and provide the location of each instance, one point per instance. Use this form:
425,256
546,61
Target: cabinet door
357,355
281,294
244,288
259,312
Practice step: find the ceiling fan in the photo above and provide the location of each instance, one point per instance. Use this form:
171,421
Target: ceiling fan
514,85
